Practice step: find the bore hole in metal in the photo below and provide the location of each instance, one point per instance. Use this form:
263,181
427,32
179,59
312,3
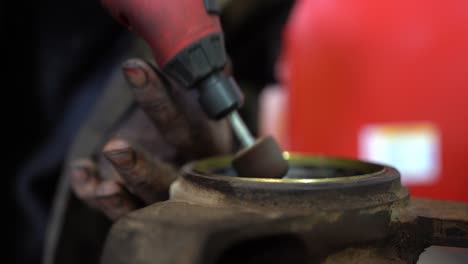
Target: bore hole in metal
300,167
308,172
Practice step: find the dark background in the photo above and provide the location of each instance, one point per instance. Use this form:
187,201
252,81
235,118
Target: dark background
23,124
50,49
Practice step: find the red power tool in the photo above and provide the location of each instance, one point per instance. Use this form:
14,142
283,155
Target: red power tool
188,45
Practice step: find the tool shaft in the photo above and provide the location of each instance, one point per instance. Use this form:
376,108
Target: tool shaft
240,129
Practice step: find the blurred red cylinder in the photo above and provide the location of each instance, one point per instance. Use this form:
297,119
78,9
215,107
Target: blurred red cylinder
382,71
168,26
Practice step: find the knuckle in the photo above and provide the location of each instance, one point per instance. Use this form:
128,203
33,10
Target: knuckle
136,178
157,105
139,183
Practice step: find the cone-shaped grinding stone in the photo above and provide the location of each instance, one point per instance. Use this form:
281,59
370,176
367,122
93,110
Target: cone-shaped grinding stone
264,159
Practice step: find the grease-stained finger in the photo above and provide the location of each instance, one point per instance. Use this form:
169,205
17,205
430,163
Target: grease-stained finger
84,180
108,196
152,92
114,200
146,177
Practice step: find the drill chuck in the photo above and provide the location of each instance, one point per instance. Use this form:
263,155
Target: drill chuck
219,95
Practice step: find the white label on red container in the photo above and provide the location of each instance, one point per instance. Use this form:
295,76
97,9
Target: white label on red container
414,149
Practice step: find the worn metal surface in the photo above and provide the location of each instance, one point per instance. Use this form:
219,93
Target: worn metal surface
325,211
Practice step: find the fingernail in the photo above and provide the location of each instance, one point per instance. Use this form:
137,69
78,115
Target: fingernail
135,74
122,158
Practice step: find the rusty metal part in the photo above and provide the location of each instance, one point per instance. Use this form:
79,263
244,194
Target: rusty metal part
327,210
262,159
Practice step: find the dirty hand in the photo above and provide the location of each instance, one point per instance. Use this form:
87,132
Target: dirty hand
138,164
